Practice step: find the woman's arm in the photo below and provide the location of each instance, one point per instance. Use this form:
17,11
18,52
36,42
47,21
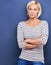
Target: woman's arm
36,41
42,40
20,38
29,46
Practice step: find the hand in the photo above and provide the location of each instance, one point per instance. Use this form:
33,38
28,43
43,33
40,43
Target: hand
28,40
32,41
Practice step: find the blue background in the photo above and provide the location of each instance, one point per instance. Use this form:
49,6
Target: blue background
11,13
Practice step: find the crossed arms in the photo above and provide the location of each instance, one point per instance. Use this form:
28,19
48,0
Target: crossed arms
32,43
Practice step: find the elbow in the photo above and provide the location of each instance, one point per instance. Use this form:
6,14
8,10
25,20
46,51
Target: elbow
21,45
44,40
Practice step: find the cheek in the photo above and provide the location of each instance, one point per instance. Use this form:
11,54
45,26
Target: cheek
29,12
32,12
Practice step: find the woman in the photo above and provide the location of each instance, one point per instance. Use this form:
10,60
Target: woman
32,35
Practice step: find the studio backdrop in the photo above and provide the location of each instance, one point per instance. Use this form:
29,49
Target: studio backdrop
11,13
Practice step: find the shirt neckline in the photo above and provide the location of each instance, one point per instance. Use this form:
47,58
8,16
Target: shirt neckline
33,27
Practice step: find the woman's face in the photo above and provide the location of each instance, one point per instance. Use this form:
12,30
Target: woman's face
33,10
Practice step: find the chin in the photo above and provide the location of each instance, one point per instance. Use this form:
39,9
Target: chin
32,17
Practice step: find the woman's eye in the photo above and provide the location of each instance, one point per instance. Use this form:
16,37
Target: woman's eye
35,9
30,9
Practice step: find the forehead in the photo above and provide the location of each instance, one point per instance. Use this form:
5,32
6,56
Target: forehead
33,5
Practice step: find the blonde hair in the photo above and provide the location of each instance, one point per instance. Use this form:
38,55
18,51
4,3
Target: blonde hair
35,2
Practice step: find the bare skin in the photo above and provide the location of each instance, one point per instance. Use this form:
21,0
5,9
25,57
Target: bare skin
30,46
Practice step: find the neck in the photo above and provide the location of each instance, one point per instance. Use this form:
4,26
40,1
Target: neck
33,20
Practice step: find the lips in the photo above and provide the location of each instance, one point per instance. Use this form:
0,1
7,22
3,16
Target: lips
32,14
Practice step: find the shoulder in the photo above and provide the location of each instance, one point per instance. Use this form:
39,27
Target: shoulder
44,22
20,23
